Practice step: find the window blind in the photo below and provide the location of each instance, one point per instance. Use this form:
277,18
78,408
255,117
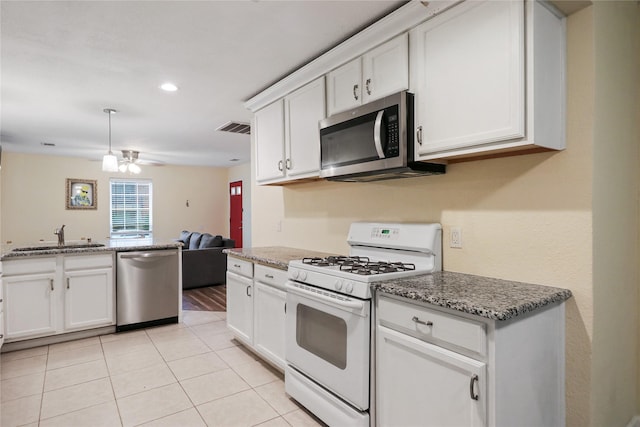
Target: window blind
131,208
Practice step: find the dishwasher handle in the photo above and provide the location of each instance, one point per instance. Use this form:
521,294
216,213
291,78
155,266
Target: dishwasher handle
156,254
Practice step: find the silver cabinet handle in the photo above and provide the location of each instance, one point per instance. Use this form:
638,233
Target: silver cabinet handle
237,265
280,165
422,322
268,276
68,284
51,283
368,86
355,92
419,135
287,164
472,393
1,336
0,299
248,289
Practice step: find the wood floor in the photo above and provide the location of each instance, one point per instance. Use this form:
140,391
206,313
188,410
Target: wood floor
212,298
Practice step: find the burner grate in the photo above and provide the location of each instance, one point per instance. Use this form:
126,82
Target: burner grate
360,265
335,260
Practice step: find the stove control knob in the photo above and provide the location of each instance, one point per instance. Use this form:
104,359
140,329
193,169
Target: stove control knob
338,285
295,274
303,275
349,287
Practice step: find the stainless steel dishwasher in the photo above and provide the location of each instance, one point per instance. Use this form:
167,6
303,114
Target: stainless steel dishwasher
147,286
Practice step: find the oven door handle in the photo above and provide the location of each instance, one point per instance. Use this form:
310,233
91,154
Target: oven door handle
351,304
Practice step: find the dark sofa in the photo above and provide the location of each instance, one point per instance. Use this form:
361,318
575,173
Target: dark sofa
203,263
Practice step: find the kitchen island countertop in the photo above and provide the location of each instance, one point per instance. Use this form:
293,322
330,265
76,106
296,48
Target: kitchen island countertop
117,245
273,256
491,298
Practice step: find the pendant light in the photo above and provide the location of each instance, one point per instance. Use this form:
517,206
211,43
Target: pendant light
109,161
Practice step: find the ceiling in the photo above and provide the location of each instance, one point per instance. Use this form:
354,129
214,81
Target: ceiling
63,62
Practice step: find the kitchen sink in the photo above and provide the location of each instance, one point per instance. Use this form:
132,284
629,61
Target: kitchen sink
53,247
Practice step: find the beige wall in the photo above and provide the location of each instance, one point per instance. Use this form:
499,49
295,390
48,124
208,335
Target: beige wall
615,213
33,198
525,218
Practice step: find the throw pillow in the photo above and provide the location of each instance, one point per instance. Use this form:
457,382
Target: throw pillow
184,237
206,241
194,242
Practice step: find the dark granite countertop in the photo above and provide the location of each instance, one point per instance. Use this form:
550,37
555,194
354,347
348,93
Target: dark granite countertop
117,245
481,296
273,256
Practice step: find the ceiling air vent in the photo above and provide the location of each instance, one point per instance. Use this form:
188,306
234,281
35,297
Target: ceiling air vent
235,127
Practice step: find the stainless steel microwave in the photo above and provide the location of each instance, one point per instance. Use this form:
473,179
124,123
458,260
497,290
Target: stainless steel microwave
372,142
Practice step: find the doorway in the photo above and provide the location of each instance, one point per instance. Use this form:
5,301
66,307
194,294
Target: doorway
235,212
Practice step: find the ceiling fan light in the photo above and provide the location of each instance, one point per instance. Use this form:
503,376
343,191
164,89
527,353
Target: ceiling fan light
133,168
110,163
123,167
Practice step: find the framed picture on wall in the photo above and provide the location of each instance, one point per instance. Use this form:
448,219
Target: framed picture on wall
82,194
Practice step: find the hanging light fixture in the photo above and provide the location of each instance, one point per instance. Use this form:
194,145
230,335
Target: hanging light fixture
109,161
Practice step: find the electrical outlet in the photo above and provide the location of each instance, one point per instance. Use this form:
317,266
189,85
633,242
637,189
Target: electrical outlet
455,237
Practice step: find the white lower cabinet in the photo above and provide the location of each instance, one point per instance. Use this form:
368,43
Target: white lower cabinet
269,314
439,367
413,373
240,306
89,292
55,295
256,304
30,308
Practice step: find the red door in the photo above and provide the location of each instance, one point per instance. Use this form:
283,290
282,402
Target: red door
235,209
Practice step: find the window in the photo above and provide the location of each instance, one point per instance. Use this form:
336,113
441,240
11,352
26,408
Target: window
131,208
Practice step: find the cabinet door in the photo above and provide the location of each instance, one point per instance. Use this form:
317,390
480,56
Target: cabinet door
343,87
240,307
420,384
468,77
269,323
89,297
269,140
30,305
304,108
385,69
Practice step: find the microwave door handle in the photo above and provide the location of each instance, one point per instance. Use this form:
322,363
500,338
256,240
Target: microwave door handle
377,137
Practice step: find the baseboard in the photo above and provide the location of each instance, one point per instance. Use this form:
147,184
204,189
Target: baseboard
635,422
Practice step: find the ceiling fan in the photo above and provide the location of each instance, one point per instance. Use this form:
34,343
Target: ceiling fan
130,162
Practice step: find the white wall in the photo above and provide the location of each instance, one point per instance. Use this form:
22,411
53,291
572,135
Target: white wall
33,199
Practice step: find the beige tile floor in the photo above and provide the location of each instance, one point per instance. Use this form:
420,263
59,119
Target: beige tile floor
188,374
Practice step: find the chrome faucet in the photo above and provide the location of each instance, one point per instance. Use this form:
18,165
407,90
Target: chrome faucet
60,233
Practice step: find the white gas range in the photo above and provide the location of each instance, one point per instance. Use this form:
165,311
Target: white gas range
329,321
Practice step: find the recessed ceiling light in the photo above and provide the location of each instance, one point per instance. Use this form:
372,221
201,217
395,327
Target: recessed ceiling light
169,87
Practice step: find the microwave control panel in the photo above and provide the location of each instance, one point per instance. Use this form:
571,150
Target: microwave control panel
393,133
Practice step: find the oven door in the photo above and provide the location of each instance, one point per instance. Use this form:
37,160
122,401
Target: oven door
328,339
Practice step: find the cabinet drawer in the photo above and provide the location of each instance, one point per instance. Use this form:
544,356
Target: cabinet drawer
432,325
29,266
86,262
239,266
270,276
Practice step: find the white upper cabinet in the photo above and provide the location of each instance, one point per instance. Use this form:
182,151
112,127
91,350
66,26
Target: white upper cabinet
304,108
486,75
287,137
381,71
269,139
